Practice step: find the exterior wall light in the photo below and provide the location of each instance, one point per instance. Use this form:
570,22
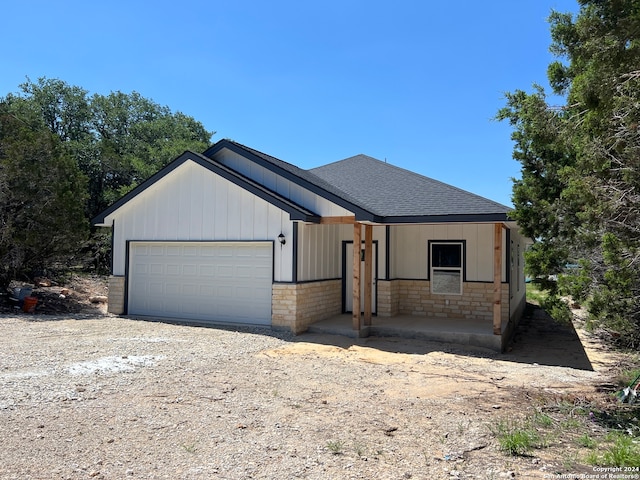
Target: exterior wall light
281,239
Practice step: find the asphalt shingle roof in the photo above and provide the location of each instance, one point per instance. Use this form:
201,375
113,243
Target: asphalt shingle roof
391,191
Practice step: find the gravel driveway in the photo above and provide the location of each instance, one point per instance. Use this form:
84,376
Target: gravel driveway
109,397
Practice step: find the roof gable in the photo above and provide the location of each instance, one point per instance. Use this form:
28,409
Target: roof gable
295,211
301,177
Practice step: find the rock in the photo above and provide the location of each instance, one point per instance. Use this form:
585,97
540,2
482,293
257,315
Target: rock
42,282
98,299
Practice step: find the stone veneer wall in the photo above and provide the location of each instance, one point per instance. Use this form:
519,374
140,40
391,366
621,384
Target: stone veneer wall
296,306
415,298
116,295
388,298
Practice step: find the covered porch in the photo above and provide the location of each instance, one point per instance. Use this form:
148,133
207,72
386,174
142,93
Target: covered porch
466,331
460,331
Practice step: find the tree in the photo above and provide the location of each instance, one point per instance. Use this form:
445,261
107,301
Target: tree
42,194
117,140
578,194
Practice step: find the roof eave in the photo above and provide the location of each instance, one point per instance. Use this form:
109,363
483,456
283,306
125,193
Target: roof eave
454,218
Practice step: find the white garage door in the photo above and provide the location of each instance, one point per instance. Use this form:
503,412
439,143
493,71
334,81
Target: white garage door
205,281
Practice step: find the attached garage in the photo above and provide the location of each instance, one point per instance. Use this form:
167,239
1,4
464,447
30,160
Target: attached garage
211,282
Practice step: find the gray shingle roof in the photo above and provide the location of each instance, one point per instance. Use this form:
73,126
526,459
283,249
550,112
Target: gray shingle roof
391,191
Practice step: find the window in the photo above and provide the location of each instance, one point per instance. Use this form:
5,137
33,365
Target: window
446,267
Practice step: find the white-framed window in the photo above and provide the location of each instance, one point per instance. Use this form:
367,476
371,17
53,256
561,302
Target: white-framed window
446,262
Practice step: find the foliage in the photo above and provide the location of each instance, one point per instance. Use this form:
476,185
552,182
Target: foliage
42,195
335,446
595,433
619,450
557,308
535,294
579,195
516,438
95,148
117,140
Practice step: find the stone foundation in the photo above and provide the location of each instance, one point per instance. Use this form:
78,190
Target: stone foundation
296,306
388,298
116,295
414,297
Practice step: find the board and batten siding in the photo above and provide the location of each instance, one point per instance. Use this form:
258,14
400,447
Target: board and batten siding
194,204
517,287
410,249
282,186
320,250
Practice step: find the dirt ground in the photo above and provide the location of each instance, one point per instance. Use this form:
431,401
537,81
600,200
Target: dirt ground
90,395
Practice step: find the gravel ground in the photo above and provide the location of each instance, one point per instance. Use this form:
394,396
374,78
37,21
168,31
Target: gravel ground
108,397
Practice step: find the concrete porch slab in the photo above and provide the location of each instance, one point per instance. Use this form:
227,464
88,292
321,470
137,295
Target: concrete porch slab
459,331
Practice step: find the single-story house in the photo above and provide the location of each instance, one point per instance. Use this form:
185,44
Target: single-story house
237,236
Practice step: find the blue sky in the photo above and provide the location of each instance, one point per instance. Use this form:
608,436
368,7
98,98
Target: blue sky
415,82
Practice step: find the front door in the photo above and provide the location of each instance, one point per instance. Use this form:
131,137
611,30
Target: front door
347,276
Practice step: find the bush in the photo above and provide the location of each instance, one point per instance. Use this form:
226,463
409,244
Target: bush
557,308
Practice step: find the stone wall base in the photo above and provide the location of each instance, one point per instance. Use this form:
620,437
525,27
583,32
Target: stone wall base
296,306
414,297
116,295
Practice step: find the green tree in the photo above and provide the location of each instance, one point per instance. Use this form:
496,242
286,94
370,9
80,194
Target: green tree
117,140
42,194
578,195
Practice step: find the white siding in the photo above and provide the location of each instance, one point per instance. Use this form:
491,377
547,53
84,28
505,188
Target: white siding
409,244
284,187
193,204
320,250
517,287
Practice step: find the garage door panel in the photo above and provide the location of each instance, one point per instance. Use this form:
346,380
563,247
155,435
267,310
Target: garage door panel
224,292
155,250
207,291
262,272
190,270
207,270
244,271
217,282
173,269
224,271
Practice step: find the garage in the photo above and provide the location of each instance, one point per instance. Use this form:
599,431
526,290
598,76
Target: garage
216,282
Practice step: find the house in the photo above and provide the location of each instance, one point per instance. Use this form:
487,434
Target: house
236,236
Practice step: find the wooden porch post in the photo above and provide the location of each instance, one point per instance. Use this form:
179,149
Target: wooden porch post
497,279
357,239
368,272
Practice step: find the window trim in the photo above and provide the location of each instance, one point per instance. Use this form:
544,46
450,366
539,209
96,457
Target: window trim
461,268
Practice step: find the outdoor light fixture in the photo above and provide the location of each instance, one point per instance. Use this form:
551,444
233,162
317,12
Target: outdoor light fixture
281,239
